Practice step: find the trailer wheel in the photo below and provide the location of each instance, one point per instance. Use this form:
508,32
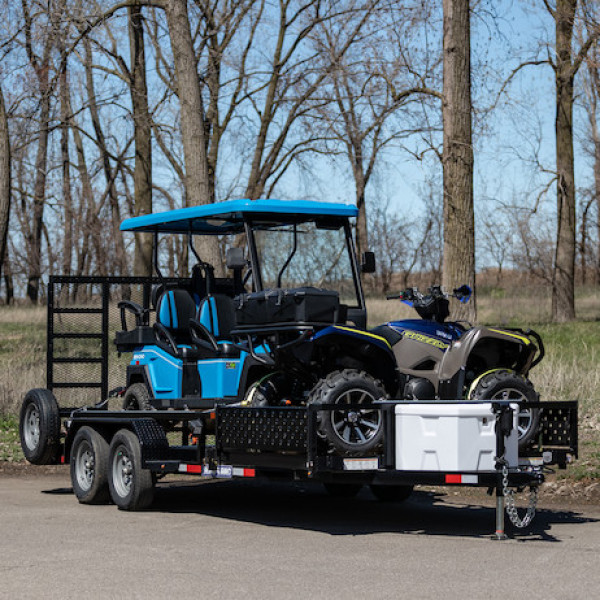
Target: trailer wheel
137,397
39,427
131,487
89,466
391,493
342,490
356,432
508,385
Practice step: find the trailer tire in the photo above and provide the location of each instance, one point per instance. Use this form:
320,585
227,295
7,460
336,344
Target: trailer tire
503,384
39,427
342,490
89,467
391,493
137,397
356,432
131,487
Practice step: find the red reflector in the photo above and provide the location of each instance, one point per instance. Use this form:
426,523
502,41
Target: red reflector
62,459
453,478
194,468
249,472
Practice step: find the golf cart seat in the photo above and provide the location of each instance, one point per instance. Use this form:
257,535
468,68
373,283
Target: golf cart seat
174,309
217,314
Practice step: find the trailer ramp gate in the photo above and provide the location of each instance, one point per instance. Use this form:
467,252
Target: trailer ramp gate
83,365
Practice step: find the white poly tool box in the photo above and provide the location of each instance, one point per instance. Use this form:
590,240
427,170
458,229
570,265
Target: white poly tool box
451,437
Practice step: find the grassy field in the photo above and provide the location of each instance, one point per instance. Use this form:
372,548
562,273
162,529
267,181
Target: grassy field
569,371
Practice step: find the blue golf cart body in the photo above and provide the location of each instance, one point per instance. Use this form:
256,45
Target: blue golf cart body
195,368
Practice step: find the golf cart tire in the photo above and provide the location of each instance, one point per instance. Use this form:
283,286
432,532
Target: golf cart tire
39,427
137,397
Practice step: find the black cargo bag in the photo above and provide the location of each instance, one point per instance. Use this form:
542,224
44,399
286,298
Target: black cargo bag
298,305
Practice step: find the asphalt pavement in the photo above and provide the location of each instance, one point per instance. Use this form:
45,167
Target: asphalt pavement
244,539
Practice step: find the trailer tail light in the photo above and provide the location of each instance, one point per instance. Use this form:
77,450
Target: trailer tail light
190,469
222,472
462,479
244,472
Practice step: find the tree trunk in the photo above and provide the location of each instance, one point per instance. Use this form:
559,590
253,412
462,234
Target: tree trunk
597,191
65,123
457,158
142,175
4,179
362,239
109,176
39,190
192,121
8,281
563,276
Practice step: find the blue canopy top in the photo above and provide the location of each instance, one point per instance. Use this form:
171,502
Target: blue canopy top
228,216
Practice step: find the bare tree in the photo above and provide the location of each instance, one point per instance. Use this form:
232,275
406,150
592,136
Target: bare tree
457,159
5,166
142,178
192,118
41,65
566,64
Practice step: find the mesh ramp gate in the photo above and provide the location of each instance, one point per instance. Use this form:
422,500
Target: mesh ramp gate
83,365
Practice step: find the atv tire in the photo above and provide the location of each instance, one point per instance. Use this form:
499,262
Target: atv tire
508,385
354,432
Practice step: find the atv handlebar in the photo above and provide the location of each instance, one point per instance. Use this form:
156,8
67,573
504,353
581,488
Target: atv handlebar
463,293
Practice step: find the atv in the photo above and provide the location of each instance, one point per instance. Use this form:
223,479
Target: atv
452,359
288,327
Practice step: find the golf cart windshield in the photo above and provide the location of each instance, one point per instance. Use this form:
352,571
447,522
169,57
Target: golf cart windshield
306,255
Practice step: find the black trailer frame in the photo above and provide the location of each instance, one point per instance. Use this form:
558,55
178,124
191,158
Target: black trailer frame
285,442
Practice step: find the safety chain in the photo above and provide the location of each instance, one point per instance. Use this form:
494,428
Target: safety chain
511,509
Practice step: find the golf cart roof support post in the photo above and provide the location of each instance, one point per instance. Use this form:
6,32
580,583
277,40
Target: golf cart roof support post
191,244
289,258
354,264
155,256
250,240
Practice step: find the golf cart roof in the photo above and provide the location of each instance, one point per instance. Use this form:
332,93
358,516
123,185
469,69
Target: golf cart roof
228,216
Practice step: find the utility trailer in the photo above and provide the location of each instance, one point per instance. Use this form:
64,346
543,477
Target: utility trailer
119,455
272,372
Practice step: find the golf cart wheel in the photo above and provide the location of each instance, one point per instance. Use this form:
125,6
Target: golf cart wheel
356,432
131,487
342,490
89,465
39,427
137,397
508,385
391,493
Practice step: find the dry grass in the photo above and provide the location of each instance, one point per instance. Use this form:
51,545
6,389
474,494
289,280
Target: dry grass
569,371
22,354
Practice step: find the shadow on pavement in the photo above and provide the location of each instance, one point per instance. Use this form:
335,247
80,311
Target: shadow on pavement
307,506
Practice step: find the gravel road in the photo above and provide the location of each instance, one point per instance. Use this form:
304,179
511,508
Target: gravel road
254,540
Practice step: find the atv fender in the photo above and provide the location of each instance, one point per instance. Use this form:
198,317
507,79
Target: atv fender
490,347
348,346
